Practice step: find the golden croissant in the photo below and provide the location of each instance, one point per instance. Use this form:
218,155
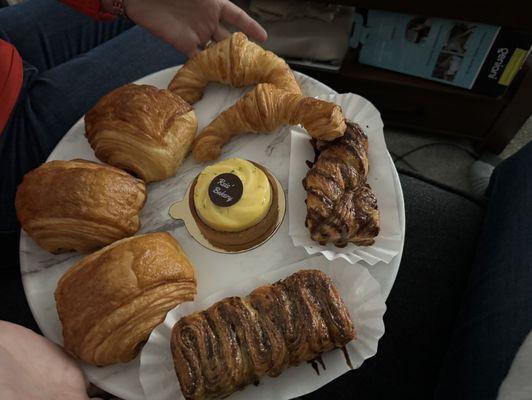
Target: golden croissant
235,61
262,110
79,205
341,207
238,341
141,129
110,301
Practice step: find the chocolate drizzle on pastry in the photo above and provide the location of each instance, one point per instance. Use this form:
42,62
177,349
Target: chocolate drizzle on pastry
347,358
341,207
237,340
320,361
314,366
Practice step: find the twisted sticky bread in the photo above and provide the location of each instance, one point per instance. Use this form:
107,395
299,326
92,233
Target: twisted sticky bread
341,207
110,301
141,129
263,109
237,340
235,61
79,205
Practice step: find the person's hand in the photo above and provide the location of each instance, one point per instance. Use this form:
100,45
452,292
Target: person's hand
33,368
189,24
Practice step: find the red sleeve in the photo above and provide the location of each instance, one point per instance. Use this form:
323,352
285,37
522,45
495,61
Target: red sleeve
10,80
92,8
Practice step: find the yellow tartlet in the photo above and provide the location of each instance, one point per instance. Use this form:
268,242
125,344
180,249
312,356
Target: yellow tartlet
248,211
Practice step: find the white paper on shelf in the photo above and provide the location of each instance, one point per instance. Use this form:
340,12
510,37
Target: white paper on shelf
361,294
380,177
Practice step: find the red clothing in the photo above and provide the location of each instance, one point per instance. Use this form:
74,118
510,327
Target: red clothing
92,8
11,62
10,80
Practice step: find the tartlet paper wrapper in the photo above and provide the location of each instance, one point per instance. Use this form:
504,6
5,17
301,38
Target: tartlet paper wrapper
380,177
361,294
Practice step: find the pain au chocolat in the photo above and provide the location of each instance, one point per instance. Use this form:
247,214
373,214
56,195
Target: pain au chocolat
110,301
79,205
142,129
237,341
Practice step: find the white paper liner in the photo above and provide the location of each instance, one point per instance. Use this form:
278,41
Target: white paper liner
380,177
359,290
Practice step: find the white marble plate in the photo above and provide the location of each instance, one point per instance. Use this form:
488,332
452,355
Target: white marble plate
41,270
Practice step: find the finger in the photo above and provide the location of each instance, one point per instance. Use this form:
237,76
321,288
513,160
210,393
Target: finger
187,43
220,33
193,53
235,16
204,37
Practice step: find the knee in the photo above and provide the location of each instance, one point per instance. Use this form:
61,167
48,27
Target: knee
519,164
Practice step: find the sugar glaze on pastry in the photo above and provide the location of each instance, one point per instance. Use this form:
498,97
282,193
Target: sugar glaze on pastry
248,211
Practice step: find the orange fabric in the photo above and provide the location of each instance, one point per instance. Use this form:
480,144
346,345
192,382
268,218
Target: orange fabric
10,80
92,8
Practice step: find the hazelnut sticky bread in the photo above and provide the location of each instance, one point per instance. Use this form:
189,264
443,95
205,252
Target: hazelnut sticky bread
79,205
237,340
142,129
110,301
341,206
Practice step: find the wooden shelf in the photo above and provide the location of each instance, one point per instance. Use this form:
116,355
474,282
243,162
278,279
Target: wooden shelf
415,103
513,14
352,69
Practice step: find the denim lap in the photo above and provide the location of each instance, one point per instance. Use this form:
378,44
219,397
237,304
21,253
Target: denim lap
70,61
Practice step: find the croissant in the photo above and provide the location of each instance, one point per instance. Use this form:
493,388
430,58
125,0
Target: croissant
341,207
110,301
237,341
235,61
141,129
262,110
79,205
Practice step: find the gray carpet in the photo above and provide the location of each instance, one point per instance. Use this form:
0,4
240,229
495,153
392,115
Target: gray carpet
449,160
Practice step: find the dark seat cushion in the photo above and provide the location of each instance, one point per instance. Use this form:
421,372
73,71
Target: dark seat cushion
442,227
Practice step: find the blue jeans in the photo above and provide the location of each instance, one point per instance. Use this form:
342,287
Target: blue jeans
70,61
496,312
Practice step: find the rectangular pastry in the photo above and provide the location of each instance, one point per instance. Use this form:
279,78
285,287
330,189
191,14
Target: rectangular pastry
237,340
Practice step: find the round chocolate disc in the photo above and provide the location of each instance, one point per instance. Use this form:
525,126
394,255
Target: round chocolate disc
225,190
